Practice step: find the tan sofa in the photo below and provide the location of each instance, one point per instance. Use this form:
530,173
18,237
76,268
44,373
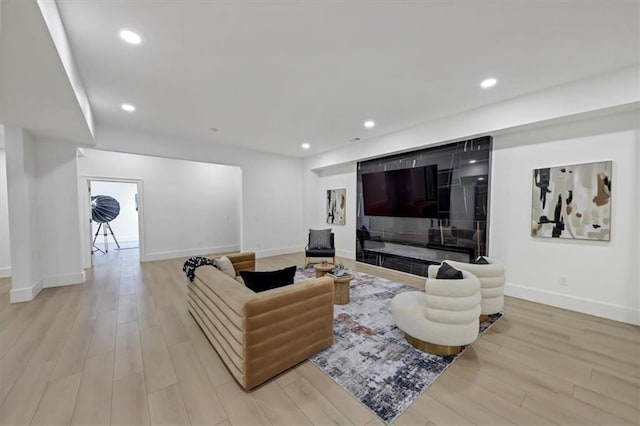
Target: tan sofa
259,335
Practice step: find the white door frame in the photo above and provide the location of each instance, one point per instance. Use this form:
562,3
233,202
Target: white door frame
86,216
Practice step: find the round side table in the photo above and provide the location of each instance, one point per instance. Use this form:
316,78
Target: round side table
323,268
341,294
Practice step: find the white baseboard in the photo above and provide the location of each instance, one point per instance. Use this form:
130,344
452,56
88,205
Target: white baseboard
151,257
26,294
29,293
289,250
121,239
572,303
347,254
63,280
278,251
162,255
5,272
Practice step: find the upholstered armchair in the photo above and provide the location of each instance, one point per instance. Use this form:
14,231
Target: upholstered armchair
491,276
443,318
322,250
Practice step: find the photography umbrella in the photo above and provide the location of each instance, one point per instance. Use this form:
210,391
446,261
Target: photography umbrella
104,209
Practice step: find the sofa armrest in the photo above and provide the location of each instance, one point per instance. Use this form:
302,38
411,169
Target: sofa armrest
243,261
284,326
224,295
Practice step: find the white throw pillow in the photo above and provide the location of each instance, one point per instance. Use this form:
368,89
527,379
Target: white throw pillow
224,264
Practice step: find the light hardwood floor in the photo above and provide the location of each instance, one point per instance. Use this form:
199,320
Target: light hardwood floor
122,349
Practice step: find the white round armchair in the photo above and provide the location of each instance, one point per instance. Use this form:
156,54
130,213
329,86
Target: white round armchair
444,317
491,278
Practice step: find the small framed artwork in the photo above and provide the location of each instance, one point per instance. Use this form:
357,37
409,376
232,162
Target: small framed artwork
336,206
572,202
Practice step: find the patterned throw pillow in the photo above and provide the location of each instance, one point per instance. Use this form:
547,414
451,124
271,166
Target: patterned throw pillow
448,272
481,261
320,238
192,263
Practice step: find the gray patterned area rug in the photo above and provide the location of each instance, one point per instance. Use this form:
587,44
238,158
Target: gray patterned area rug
370,357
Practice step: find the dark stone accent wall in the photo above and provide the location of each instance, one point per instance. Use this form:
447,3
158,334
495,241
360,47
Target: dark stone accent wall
460,231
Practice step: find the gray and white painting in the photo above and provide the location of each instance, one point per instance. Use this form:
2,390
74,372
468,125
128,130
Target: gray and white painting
572,202
336,206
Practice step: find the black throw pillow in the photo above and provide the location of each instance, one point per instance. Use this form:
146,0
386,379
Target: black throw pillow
448,272
263,281
481,261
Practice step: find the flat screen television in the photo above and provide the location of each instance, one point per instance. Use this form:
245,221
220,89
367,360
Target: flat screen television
401,193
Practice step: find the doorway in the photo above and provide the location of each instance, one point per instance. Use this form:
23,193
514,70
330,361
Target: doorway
114,212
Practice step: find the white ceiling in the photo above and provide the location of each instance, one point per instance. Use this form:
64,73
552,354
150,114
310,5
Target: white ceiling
271,75
35,90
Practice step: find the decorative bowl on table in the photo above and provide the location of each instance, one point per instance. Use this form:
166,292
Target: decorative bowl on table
340,270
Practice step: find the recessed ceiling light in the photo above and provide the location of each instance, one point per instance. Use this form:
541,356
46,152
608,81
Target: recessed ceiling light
472,161
305,146
369,124
489,82
128,107
480,178
130,37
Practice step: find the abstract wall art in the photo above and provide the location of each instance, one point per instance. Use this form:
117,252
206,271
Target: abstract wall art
336,206
572,202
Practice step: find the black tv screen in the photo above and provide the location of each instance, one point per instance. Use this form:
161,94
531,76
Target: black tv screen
401,193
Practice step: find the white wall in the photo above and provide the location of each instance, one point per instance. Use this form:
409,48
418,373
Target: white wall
272,185
5,248
316,186
602,276
26,277
188,208
56,213
125,225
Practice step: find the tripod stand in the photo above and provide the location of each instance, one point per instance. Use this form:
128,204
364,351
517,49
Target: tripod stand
105,227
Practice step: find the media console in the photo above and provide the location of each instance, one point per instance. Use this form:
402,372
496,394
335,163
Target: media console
413,259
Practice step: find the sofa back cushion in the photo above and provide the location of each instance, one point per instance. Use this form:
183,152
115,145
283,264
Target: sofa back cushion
263,281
